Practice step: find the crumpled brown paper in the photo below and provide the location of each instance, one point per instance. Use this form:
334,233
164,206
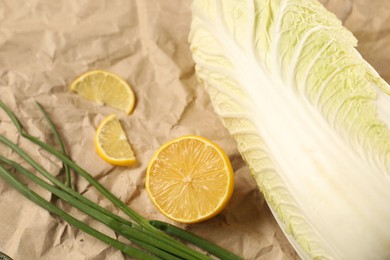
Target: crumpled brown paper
45,44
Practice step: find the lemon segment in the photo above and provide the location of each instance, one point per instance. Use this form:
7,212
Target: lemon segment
105,88
112,144
190,179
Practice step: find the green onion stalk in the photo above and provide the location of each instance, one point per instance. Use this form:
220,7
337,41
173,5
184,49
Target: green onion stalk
148,239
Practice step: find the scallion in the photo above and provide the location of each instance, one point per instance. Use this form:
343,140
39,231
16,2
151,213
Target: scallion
153,238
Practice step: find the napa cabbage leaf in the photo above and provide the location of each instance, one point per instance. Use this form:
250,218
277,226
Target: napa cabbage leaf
310,117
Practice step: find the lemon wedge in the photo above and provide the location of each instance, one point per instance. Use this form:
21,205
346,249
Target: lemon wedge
106,88
190,179
112,144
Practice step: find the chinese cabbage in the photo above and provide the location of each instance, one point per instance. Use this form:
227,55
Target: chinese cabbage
310,117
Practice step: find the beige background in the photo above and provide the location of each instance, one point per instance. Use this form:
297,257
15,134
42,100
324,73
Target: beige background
45,44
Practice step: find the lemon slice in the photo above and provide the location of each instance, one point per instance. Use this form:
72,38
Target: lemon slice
190,179
112,144
105,88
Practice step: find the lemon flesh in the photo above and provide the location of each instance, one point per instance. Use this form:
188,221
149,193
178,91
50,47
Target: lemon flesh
190,179
105,88
112,144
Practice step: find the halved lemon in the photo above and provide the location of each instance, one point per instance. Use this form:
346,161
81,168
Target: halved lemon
106,88
190,179
112,144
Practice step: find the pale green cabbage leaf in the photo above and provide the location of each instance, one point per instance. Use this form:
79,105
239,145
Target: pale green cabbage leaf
310,116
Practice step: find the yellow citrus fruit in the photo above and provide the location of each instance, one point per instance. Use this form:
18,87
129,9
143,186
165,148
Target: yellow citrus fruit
106,88
112,144
190,179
